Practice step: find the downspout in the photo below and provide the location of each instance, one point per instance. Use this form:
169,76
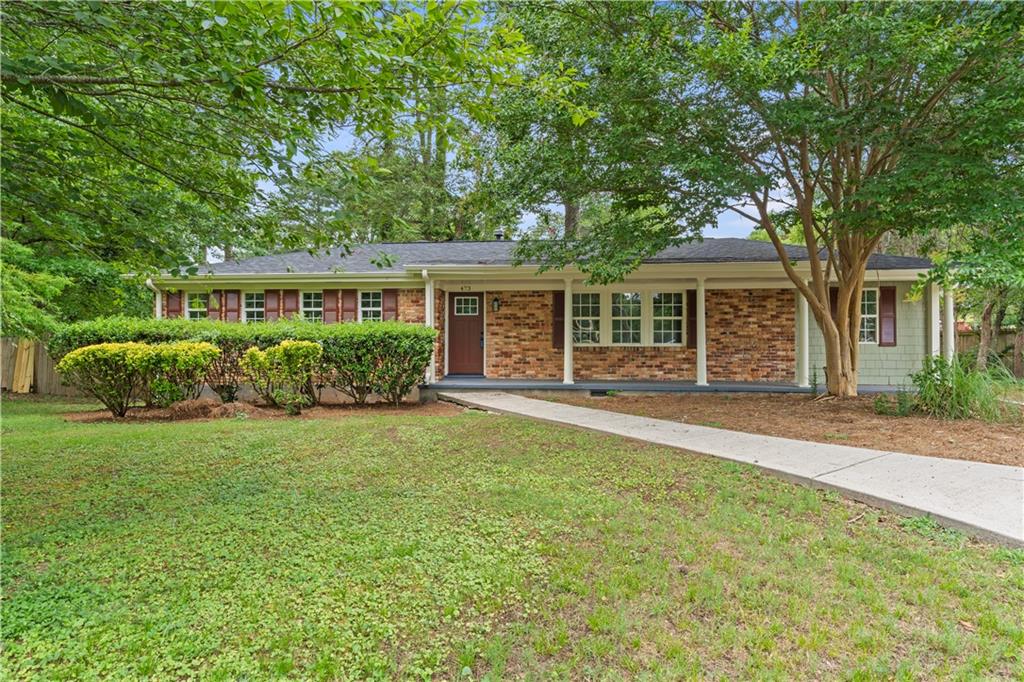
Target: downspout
158,297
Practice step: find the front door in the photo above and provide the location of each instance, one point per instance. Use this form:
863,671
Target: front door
465,333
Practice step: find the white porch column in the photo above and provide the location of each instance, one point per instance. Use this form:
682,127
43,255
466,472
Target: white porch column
948,325
567,334
934,348
428,312
803,341
702,345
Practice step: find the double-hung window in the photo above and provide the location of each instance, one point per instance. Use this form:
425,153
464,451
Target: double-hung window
626,320
370,306
198,306
869,316
586,319
313,306
253,307
668,318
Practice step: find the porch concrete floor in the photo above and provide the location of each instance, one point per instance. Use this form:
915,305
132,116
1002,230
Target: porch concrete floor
985,500
478,383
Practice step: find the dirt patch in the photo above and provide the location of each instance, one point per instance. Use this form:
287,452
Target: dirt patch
843,422
207,408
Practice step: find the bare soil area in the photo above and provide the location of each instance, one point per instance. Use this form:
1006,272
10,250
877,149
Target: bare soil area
207,408
845,422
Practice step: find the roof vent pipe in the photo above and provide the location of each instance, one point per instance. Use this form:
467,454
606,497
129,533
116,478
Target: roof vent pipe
499,235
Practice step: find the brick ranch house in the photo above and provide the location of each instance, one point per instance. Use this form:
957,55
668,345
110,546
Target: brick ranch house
721,310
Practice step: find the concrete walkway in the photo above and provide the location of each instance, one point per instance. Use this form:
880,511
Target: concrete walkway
985,500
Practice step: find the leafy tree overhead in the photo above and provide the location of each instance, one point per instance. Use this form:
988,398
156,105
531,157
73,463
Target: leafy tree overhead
863,119
136,133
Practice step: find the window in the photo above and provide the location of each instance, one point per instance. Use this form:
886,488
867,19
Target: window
313,306
253,309
467,305
370,306
869,316
586,319
626,318
668,318
198,305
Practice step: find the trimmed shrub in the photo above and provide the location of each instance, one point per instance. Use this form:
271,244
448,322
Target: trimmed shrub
113,373
386,358
178,371
281,373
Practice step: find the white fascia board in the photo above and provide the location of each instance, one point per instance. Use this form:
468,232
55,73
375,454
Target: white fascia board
338,280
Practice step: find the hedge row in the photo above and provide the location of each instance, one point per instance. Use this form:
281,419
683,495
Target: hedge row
383,358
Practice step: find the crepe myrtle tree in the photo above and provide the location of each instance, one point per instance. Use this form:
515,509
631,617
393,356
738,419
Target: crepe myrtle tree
859,120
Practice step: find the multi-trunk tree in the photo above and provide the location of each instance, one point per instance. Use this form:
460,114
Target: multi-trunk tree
859,120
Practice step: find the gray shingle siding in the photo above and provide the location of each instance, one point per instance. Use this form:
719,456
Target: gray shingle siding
368,258
885,365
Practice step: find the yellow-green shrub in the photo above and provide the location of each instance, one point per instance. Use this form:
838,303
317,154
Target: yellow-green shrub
113,373
178,370
282,373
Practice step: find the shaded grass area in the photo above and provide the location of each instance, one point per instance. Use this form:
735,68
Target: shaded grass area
467,545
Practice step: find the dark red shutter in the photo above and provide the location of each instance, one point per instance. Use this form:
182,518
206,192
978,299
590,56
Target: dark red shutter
833,301
331,309
271,303
213,305
887,316
291,302
558,319
232,299
349,302
389,304
174,304
691,318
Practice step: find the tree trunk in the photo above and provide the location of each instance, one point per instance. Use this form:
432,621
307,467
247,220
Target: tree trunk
985,336
1018,351
572,218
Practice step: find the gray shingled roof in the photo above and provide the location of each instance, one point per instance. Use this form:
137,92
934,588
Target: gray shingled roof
364,258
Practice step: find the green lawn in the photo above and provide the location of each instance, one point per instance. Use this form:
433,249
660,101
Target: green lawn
471,545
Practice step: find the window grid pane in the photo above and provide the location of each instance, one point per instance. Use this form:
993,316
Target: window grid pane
586,319
625,318
869,316
198,305
371,306
668,318
467,305
313,306
254,309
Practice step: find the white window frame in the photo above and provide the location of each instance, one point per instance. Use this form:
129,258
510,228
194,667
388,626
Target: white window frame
304,309
681,317
188,306
639,318
379,308
245,306
601,309
874,316
476,303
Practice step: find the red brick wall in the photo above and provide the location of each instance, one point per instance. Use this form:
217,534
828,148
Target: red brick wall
751,334
411,306
518,336
440,319
634,362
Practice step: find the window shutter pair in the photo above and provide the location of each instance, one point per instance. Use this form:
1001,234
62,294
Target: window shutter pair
232,305
691,318
271,303
350,304
886,313
332,306
558,319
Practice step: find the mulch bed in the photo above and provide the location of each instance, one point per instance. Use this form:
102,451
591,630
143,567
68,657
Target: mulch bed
208,408
844,422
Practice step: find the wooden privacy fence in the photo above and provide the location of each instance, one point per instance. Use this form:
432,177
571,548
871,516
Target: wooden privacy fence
26,367
966,341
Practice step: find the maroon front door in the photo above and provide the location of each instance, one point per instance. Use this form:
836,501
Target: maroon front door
465,333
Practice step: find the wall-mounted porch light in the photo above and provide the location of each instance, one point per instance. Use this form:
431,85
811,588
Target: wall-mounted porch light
495,304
